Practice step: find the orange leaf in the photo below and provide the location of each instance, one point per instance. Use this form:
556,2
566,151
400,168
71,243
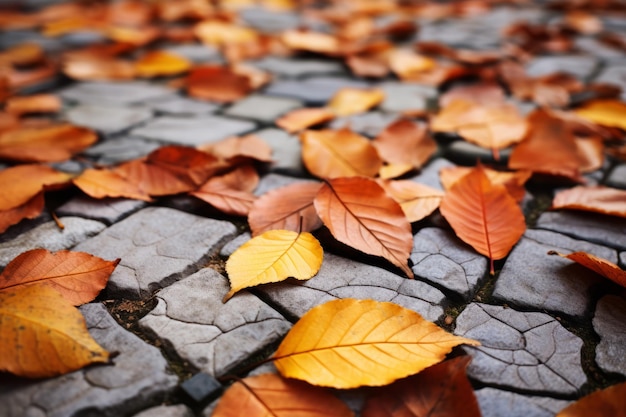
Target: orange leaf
45,144
29,210
161,64
601,266
513,181
348,101
217,83
270,395
604,112
608,402
483,215
43,335
442,390
339,153
246,147
78,276
311,41
23,182
405,143
225,194
359,213
39,103
406,63
100,69
598,199
417,200
215,32
23,54
300,119
104,183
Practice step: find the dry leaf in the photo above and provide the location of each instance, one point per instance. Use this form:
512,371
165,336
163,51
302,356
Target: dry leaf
217,83
368,66
405,143
599,199
270,395
311,41
245,147
161,64
98,69
513,181
348,101
77,276
216,33
231,192
339,153
300,119
43,335
604,112
29,210
273,256
406,64
359,213
601,266
483,93
442,390
23,182
349,343
483,215
104,183
39,103
24,54
416,200
137,36
45,144
608,402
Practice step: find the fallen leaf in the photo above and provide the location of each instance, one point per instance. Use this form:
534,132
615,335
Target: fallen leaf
270,395
608,402
100,69
416,200
137,36
598,199
322,43
217,83
406,63
339,153
348,101
27,53
590,152
161,64
244,147
368,66
389,171
359,213
601,266
441,390
29,210
604,112
482,93
99,183
45,144
77,276
348,343
42,335
404,142
513,181
23,182
273,256
216,33
39,103
300,119
483,215
230,192
583,22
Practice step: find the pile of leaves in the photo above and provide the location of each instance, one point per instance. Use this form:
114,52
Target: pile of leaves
358,188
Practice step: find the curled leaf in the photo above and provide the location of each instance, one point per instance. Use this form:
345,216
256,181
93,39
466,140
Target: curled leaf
608,402
103,183
598,265
598,199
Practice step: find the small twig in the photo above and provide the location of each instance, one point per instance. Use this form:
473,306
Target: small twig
58,221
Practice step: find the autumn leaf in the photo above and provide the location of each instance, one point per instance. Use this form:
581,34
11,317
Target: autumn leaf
513,181
359,213
43,335
99,69
45,144
339,153
273,256
270,395
322,43
608,402
38,103
483,215
215,32
29,210
406,64
348,101
99,183
441,390
224,193
234,149
23,182
161,64
289,208
601,266
404,142
77,276
604,112
598,199
348,343
217,83
300,119
416,200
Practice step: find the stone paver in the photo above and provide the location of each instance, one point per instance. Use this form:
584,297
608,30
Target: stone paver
314,90
137,378
166,411
369,124
286,151
290,67
121,149
211,335
498,403
158,246
262,108
527,351
182,106
123,93
609,322
617,177
604,230
582,66
106,210
108,119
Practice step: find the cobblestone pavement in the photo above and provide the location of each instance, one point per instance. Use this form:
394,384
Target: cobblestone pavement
550,334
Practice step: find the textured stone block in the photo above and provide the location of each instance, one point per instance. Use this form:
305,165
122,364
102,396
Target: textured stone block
498,403
262,108
609,321
106,210
107,119
598,228
127,92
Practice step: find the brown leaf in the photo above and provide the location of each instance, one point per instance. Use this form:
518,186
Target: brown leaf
287,208
100,69
601,266
269,394
483,93
407,64
311,41
228,193
417,200
368,66
27,53
405,143
161,64
598,199
339,153
359,213
217,83
608,402
78,276
348,101
23,182
300,119
39,103
105,183
249,147
29,210
483,215
513,181
45,144
442,390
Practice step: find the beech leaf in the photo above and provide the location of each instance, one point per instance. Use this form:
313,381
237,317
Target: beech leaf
270,395
348,343
273,256
348,101
405,143
23,182
300,119
43,335
29,210
416,200
598,199
359,213
608,402
513,181
223,195
601,266
483,215
604,112
103,183
161,64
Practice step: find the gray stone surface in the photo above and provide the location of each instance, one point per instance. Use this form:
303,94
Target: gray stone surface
213,336
441,258
614,74
286,151
157,246
107,119
527,351
369,124
401,96
137,378
497,403
597,48
582,66
262,108
234,244
293,67
197,53
609,322
532,278
182,106
604,230
121,149
192,131
272,181
344,278
127,92
267,20
617,176
430,173
314,90
106,210
49,236
179,410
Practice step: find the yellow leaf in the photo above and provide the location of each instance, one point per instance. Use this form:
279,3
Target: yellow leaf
43,335
350,343
272,257
161,64
604,112
349,101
